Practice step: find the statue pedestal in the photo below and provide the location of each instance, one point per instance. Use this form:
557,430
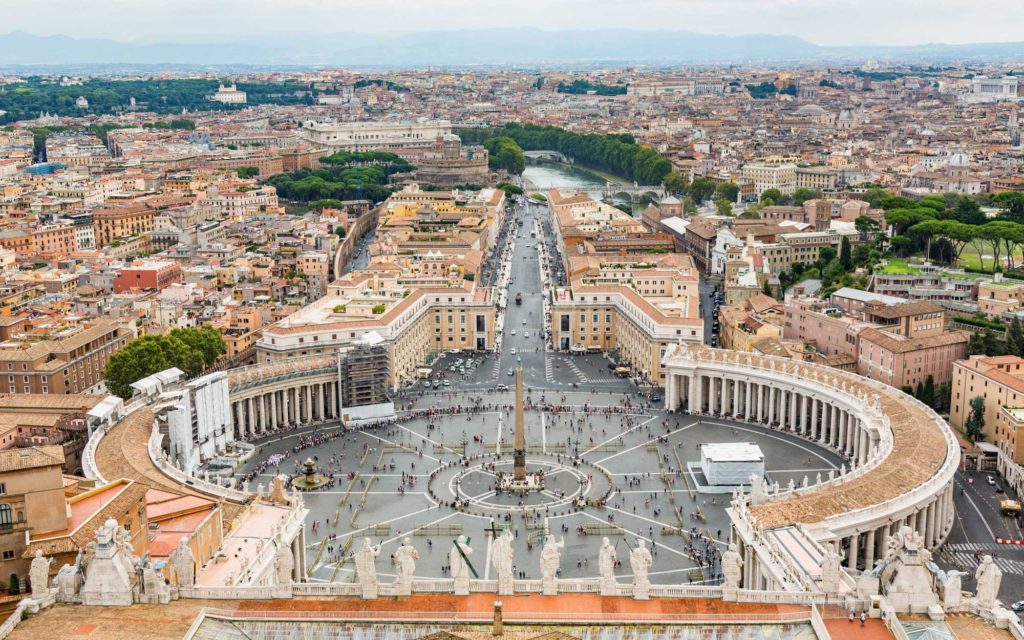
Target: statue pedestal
462,586
549,587
505,586
403,588
370,591
609,588
641,591
729,594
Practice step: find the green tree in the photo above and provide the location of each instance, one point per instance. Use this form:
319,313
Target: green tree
723,207
701,190
190,350
676,184
928,396
728,191
772,194
802,195
340,231
975,425
1015,338
845,254
247,172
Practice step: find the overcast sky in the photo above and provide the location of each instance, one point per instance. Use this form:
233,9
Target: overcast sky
820,21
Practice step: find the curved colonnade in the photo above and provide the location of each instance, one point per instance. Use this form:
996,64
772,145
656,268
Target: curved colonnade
901,457
281,395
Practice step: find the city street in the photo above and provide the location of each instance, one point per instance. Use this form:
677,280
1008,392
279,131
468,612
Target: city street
978,523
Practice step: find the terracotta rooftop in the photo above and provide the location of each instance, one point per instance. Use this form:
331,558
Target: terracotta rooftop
31,458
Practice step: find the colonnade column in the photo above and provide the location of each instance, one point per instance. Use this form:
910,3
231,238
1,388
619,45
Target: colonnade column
851,560
869,550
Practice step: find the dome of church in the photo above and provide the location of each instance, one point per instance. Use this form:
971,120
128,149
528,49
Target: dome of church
669,200
959,160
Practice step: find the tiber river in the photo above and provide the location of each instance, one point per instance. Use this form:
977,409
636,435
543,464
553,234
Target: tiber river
552,175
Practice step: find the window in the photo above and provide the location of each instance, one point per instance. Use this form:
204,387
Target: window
3,488
8,555
5,516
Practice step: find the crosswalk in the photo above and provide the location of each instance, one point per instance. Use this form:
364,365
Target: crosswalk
964,554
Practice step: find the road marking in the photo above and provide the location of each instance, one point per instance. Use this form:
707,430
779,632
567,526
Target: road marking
616,437
644,443
981,516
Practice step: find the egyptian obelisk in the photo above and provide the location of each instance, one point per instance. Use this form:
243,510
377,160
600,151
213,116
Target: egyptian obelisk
519,453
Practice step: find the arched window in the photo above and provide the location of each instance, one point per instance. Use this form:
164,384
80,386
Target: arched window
5,516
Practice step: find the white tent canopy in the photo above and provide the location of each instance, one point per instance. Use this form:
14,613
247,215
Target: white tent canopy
731,463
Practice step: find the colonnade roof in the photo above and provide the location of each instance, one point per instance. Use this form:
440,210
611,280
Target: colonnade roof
256,373
124,453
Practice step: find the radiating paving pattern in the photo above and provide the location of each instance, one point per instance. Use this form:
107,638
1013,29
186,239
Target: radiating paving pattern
403,479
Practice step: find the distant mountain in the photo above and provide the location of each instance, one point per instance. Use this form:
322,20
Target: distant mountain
512,46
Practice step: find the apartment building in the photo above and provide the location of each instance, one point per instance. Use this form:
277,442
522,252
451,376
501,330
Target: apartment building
766,176
635,306
413,323
999,381
65,357
121,222
147,274
31,499
750,321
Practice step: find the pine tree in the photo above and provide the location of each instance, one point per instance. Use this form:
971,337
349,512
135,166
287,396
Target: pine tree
1015,338
919,391
928,397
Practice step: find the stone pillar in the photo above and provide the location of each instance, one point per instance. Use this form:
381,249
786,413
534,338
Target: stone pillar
771,405
249,424
921,522
869,550
930,536
712,396
309,403
236,415
699,392
322,401
813,434
851,560
273,410
794,415
746,399
805,415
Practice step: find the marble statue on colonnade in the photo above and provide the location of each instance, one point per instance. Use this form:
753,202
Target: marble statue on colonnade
550,561
831,569
458,561
606,560
284,564
39,575
640,562
405,566
183,564
502,559
988,577
366,569
732,567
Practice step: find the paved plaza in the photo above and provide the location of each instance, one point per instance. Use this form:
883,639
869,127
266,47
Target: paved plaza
402,480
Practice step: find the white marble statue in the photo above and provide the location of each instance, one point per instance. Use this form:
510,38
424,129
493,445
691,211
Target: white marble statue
988,577
501,558
405,566
831,573
366,569
284,564
68,583
606,565
459,565
278,494
39,575
154,586
183,564
640,562
732,567
550,560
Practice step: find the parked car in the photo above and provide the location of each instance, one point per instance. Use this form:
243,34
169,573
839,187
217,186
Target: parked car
990,480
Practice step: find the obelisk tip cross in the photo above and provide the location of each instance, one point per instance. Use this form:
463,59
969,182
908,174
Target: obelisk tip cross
519,453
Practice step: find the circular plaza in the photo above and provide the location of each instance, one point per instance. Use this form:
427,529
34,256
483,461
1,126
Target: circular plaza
612,466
